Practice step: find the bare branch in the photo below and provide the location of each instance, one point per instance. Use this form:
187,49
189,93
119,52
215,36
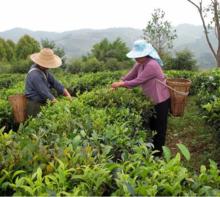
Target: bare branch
193,3
200,10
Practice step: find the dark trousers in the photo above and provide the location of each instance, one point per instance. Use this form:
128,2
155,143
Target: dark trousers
33,108
158,123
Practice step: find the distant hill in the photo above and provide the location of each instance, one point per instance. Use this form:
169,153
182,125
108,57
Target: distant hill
192,37
79,42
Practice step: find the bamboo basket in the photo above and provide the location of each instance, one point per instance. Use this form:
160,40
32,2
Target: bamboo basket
19,107
179,90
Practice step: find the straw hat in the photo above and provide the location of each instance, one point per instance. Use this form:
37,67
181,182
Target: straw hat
46,58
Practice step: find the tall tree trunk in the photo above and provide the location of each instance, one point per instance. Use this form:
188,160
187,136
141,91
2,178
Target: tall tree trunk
218,57
217,26
215,3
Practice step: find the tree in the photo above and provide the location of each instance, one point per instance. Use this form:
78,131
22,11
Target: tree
48,44
7,50
100,50
26,46
11,44
168,60
57,50
159,32
105,50
212,9
104,55
10,50
118,50
184,60
52,45
3,54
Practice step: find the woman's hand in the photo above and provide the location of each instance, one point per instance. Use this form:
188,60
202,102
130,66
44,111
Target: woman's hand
67,94
53,100
118,84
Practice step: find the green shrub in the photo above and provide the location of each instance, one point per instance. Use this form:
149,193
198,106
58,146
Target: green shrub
21,66
5,67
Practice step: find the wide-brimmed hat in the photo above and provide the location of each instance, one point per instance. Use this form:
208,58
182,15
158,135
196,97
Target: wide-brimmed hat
46,58
142,49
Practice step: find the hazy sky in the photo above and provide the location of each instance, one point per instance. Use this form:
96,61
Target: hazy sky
64,15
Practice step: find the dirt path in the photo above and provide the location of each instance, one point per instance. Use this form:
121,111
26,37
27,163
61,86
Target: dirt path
192,131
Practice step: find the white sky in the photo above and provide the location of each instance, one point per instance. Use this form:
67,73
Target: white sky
65,15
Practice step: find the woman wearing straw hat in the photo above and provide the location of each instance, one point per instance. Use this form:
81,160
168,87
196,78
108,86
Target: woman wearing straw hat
146,73
39,81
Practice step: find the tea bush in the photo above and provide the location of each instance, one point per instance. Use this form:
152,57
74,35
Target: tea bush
97,144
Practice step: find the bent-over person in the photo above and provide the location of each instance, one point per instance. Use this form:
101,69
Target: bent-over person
39,81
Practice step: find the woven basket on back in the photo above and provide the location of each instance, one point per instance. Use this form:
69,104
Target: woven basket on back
19,105
178,92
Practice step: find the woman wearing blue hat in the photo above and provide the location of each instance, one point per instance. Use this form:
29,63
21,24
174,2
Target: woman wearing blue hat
148,74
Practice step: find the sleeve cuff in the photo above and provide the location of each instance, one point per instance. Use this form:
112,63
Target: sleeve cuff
51,97
129,84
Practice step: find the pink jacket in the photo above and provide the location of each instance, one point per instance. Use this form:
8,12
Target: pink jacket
146,76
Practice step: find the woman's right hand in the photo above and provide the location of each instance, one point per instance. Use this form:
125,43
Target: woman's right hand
54,100
117,84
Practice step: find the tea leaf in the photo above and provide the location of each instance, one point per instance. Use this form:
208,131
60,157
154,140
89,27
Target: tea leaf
17,173
184,150
166,153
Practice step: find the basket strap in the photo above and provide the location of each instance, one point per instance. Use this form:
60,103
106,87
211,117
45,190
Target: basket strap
32,69
178,92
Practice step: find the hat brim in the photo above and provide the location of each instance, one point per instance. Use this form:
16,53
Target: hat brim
54,62
135,54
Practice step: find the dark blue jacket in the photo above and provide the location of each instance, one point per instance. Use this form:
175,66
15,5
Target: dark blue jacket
38,85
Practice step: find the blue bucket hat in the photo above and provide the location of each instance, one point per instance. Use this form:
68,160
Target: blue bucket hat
141,49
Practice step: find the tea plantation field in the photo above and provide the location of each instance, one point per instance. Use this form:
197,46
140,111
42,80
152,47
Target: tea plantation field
99,144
